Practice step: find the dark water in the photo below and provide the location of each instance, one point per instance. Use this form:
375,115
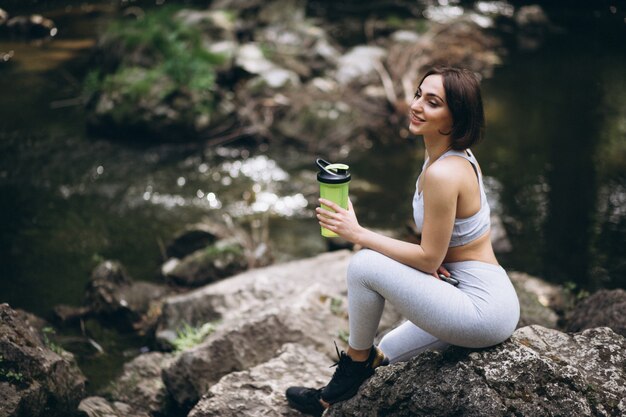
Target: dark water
556,143
555,152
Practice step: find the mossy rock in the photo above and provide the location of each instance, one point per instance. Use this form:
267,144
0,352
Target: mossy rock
156,79
210,264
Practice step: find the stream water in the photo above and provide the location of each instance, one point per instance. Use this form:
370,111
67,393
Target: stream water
554,153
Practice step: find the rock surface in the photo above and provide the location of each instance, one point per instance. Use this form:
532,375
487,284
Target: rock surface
259,391
191,239
34,379
251,290
538,372
275,327
603,308
258,312
100,407
537,299
29,27
141,385
111,293
210,264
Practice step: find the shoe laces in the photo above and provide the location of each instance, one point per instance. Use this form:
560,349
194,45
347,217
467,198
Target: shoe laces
343,363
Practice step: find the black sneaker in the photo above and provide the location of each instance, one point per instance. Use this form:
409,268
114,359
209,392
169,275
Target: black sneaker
350,375
306,400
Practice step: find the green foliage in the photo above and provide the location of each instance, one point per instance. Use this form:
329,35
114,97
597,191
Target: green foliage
336,306
422,25
343,335
97,259
572,294
12,376
176,47
9,374
49,343
189,336
394,21
572,290
91,83
217,250
173,59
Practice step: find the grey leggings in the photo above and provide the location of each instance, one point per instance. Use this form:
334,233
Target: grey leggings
483,310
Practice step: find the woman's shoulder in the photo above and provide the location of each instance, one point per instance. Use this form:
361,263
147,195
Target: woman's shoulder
453,174
444,173
448,166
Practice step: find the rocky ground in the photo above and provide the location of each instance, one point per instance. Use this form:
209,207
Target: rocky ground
273,327
271,72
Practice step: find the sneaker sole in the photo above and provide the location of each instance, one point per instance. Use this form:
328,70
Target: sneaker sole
306,409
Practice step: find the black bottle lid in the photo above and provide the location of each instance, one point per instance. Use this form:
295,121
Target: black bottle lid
332,173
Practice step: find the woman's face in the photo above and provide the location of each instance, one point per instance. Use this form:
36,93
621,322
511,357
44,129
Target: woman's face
429,113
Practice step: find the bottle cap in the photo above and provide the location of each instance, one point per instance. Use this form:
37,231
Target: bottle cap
332,173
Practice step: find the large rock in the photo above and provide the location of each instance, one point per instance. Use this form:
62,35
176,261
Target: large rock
213,24
35,380
250,292
260,391
215,262
603,308
359,65
106,278
141,385
31,27
111,293
538,372
100,407
299,46
193,238
4,17
243,343
537,300
265,12
259,311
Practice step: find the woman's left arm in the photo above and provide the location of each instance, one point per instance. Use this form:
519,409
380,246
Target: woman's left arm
440,196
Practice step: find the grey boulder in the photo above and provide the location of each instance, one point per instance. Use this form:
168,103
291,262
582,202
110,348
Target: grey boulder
603,308
538,372
112,293
260,391
140,386
100,407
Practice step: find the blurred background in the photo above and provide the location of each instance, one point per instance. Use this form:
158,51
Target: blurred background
122,122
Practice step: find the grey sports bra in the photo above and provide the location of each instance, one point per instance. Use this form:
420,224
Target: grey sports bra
467,229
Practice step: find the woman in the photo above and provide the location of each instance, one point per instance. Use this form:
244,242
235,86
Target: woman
451,212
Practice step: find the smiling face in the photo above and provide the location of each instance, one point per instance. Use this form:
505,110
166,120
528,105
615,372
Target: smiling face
429,113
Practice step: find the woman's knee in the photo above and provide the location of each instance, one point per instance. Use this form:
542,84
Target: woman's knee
362,263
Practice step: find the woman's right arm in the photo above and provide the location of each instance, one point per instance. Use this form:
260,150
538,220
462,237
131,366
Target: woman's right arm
440,199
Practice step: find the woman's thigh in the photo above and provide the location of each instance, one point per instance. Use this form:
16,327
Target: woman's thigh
440,309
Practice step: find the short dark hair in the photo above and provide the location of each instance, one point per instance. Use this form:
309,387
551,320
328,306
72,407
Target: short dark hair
465,103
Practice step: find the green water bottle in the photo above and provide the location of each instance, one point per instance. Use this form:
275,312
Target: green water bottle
334,180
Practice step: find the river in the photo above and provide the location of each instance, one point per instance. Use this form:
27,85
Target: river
554,155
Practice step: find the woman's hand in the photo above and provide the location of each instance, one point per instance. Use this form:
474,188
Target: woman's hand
342,221
443,271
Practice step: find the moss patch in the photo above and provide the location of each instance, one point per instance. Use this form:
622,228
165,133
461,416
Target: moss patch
159,60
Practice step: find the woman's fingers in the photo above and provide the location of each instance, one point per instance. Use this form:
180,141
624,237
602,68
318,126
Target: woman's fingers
442,270
331,204
325,214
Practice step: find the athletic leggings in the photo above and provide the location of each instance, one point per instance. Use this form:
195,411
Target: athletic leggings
483,310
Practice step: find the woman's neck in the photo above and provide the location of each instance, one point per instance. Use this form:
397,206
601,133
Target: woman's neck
437,146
